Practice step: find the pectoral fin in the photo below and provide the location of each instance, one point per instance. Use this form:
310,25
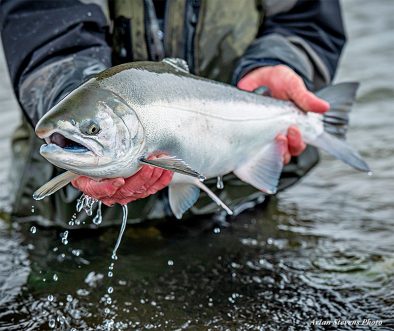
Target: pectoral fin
182,197
174,164
214,197
54,185
263,170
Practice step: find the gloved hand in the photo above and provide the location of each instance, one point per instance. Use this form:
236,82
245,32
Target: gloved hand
148,180
285,84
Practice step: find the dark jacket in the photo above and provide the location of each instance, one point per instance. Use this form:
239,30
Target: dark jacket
52,46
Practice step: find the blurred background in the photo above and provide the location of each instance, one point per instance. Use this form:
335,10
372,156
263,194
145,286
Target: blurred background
321,250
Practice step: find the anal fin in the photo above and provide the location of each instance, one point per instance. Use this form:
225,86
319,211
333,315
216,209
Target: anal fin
264,169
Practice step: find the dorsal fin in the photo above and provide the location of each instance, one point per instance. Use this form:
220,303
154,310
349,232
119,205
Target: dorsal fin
177,63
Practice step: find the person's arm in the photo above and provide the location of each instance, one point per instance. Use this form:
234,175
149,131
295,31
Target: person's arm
298,46
51,47
307,36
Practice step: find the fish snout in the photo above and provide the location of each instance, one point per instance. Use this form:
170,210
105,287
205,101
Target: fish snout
44,130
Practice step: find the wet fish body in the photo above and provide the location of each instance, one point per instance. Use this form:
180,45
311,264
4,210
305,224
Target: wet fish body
111,123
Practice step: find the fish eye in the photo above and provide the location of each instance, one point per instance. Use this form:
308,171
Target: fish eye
90,127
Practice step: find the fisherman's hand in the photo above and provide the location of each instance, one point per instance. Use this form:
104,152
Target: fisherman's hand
283,83
148,180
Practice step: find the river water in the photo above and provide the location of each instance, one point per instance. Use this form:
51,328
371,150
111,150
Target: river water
321,251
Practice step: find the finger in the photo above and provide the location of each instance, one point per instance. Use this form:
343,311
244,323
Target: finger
108,201
305,99
283,144
254,79
295,143
133,192
137,181
98,190
161,182
135,184
247,84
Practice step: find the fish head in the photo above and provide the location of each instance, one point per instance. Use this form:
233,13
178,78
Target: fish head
92,132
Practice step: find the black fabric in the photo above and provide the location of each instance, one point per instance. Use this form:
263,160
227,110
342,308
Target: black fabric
317,22
35,33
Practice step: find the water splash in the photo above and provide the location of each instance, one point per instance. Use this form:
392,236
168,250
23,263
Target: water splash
219,183
123,227
86,203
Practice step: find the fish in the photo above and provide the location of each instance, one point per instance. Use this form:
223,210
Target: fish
112,123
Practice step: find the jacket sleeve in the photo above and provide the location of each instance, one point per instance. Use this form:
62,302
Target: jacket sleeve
306,35
50,47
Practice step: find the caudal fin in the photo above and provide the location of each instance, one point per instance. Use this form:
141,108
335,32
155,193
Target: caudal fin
341,98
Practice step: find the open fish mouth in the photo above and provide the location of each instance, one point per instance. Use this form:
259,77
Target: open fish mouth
67,144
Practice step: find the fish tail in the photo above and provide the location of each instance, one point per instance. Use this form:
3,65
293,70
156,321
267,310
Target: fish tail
336,121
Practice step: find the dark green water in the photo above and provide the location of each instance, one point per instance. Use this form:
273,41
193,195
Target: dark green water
323,250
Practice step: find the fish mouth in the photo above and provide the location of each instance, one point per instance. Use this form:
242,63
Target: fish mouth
71,145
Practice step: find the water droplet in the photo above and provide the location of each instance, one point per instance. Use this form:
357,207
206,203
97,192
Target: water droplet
50,297
170,262
55,277
64,237
110,290
76,252
106,310
109,301
71,223
32,209
69,298
216,230
110,274
89,13
52,323
219,183
98,218
33,229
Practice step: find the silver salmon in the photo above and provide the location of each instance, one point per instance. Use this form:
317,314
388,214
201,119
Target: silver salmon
109,125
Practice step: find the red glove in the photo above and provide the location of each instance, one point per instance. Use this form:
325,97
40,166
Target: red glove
148,180
285,84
